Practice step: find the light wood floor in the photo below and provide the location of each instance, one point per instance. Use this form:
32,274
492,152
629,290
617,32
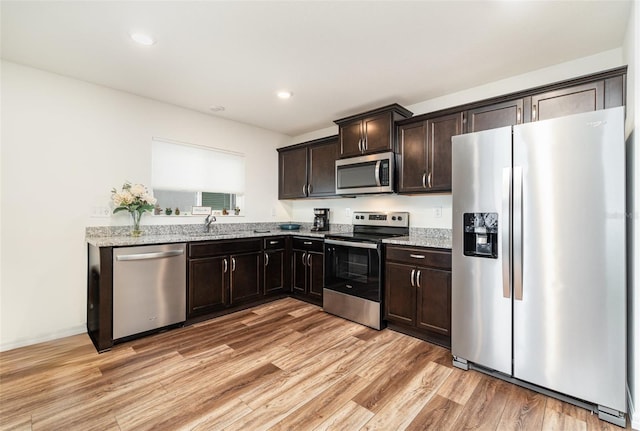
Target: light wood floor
280,366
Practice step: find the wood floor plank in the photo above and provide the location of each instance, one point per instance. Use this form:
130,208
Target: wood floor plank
410,400
286,365
557,421
315,411
439,413
485,406
351,416
460,385
524,410
385,388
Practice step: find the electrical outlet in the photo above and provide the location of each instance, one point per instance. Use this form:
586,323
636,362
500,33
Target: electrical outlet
437,212
347,212
273,211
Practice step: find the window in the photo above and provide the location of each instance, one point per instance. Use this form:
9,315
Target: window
185,175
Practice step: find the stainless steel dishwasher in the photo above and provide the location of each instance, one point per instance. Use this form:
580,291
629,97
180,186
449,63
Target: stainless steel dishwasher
149,288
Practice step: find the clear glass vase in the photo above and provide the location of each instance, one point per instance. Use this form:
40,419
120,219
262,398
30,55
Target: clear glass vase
136,216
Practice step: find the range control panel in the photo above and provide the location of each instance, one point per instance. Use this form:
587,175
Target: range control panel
395,219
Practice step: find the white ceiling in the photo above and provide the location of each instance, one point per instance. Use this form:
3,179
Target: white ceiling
339,58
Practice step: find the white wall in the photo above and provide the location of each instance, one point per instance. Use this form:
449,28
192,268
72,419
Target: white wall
422,207
631,48
65,144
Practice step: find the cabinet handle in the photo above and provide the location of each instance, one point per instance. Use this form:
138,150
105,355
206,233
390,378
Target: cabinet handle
309,259
519,116
226,265
429,180
365,143
533,116
303,189
418,278
266,259
309,189
233,264
273,242
307,243
361,145
413,273
304,258
424,180
417,256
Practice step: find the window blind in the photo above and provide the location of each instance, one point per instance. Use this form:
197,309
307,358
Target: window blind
185,167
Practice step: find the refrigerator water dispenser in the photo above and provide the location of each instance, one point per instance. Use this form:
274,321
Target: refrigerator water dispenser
481,234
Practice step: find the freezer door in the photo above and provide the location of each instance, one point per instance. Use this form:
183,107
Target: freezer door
569,261
481,294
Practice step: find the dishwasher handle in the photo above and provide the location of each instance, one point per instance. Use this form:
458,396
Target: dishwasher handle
147,256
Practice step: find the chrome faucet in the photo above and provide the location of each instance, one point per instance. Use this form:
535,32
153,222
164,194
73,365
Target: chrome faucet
207,222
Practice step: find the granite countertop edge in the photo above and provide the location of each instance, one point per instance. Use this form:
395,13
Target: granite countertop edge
119,236
420,241
125,240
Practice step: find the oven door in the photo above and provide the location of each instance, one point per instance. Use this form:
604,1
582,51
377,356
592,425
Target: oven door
353,268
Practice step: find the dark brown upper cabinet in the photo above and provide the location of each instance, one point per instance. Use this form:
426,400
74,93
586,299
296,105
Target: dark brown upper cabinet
424,153
495,115
369,132
567,101
308,169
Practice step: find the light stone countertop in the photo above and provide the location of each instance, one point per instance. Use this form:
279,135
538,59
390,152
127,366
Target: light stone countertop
118,236
420,241
147,239
424,237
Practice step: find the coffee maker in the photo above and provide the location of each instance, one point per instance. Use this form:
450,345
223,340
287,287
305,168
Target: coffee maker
320,219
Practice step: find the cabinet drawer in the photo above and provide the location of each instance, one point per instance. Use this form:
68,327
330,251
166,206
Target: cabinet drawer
274,243
213,248
308,244
420,256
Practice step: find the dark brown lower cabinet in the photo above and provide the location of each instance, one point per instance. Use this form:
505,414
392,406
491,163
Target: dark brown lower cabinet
276,270
418,292
223,274
308,268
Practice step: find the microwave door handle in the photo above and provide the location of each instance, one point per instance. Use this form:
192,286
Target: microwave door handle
377,173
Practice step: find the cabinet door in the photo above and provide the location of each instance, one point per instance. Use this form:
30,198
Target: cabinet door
207,285
377,133
568,101
412,157
434,300
315,269
244,284
299,271
322,168
274,280
439,158
493,116
292,173
350,137
400,295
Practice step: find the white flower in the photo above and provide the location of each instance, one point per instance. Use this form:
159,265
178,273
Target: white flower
138,190
148,198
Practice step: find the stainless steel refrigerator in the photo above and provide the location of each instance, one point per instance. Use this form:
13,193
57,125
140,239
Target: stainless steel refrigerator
538,283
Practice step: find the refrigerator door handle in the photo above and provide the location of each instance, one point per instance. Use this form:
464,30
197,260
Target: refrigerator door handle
506,252
517,232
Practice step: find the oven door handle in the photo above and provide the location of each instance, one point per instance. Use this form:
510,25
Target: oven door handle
369,245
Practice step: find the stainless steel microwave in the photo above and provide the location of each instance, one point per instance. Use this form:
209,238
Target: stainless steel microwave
365,174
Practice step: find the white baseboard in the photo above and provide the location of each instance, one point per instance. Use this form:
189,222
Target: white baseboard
41,339
634,417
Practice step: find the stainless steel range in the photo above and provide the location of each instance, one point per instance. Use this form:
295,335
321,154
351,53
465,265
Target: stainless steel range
353,266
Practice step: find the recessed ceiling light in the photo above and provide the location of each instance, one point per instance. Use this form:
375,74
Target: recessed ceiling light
142,39
216,108
284,94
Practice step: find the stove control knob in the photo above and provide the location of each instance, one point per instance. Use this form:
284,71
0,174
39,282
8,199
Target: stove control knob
393,218
399,218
